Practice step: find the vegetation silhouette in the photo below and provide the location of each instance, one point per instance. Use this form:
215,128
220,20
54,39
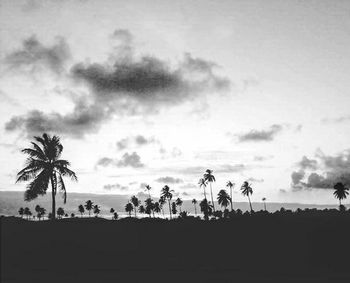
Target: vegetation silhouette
230,185
43,166
89,205
167,194
194,201
179,203
246,191
81,210
209,178
341,192
264,201
135,202
224,199
129,208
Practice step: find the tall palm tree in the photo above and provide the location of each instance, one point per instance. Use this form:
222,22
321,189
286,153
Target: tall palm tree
246,191
43,166
202,184
148,188
179,202
209,177
167,194
340,192
194,201
128,208
224,199
149,206
230,185
136,202
264,201
156,207
81,210
89,205
162,201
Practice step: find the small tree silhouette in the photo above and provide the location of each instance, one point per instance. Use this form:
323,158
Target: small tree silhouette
81,210
162,201
112,211
167,194
60,212
129,208
230,185
115,216
135,202
142,209
206,208
156,207
149,206
96,210
27,212
173,208
179,203
89,205
21,211
148,188
223,198
209,178
264,201
246,191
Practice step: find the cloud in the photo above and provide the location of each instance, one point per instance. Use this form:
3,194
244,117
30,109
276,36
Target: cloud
341,119
260,135
110,187
256,180
124,85
330,170
169,180
34,56
138,140
142,195
122,144
261,158
189,186
127,160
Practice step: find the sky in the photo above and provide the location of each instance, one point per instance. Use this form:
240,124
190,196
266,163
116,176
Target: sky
156,92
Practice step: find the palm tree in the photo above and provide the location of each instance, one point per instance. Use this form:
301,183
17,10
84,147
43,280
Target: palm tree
89,205
156,207
246,191
264,201
142,209
230,185
209,178
148,188
149,206
115,216
340,192
135,201
37,210
206,208
81,210
203,184
173,208
112,211
60,212
162,201
27,212
128,208
21,212
166,193
72,215
224,199
96,210
194,201
43,166
179,203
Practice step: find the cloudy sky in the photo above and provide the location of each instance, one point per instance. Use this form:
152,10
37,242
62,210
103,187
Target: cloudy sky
158,91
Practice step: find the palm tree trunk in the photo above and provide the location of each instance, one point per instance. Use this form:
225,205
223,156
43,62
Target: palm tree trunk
265,205
53,200
212,199
250,204
195,209
135,211
169,208
231,199
205,194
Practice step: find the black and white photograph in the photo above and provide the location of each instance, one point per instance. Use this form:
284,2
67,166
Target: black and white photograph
174,141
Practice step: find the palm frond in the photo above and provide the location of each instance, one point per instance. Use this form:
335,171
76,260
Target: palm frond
62,188
38,186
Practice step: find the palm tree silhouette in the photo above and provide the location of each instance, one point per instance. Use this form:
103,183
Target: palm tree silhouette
89,205
128,208
60,212
27,212
81,210
115,216
156,207
162,201
230,185
148,188
202,183
96,210
37,210
166,193
340,192
264,201
223,198
173,208
246,191
149,206
206,208
142,209
194,201
44,166
21,211
112,211
209,177
179,203
135,201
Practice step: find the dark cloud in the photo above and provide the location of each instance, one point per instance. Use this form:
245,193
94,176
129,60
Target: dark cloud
127,160
255,180
138,140
261,135
169,180
110,187
334,169
130,86
33,55
307,163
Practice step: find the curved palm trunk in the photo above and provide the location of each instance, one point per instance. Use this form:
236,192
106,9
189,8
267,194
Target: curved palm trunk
212,199
205,194
169,208
53,200
250,204
231,199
